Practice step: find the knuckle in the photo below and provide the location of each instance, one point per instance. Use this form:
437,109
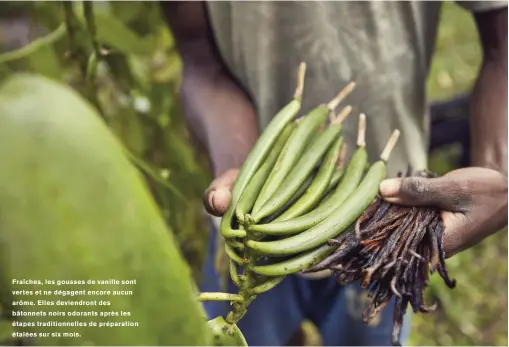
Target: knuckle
458,193
416,186
456,187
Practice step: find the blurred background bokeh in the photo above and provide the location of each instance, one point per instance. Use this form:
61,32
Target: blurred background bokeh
136,90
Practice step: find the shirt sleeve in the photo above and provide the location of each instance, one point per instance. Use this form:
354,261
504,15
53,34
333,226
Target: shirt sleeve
482,6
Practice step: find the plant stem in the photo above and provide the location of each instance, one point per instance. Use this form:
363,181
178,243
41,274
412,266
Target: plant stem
92,30
246,287
96,56
219,297
34,46
79,52
154,174
73,28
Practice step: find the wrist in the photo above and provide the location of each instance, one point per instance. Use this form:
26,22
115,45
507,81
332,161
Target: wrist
230,152
500,194
494,158
222,166
222,115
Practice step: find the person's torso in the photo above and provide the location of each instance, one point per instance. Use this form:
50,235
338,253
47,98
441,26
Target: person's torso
384,46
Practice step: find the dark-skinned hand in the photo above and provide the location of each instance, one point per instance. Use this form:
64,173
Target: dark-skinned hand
473,202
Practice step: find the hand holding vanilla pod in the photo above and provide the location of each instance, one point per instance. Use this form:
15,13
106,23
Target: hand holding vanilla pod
392,249
292,210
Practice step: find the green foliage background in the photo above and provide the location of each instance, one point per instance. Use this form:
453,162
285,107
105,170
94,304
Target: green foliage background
136,88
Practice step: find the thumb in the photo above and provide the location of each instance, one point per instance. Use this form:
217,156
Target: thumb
217,197
420,191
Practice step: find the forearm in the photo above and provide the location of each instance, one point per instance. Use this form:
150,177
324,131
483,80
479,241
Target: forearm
489,99
489,118
221,115
217,110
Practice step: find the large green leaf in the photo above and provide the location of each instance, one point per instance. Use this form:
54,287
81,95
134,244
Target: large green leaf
72,207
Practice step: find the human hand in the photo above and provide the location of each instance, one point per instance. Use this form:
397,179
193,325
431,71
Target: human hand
473,202
218,195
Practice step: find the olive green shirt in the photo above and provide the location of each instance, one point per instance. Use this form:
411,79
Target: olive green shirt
384,46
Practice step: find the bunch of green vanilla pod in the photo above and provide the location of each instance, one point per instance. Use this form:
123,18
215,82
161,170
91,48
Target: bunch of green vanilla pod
291,197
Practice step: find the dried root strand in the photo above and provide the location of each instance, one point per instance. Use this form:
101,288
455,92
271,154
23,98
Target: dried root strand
391,249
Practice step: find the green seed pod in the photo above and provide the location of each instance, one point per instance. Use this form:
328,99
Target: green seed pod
296,146
248,197
303,167
306,132
295,264
315,191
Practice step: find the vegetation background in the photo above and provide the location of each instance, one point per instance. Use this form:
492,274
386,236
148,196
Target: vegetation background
135,86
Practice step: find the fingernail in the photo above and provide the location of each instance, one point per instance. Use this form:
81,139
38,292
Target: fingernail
221,200
211,200
390,187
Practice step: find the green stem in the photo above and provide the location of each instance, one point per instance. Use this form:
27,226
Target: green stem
234,275
206,296
34,46
95,57
88,10
154,175
246,286
79,52
73,28
248,283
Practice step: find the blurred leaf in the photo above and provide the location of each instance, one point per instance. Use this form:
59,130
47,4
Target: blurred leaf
457,54
4,72
155,175
140,72
46,13
169,71
181,153
6,330
112,32
166,38
130,129
45,62
127,11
